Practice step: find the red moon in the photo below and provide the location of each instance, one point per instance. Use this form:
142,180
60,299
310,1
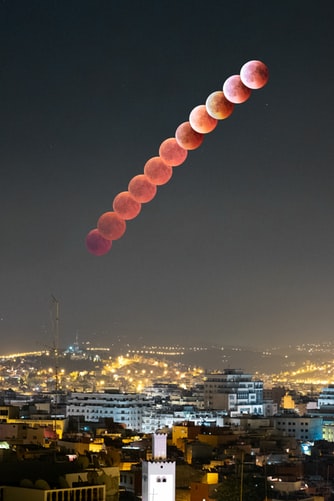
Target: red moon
235,91
126,206
111,226
96,244
142,189
254,74
172,153
157,171
187,137
218,106
201,121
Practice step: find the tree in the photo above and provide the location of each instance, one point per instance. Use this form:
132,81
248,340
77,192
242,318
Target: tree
253,488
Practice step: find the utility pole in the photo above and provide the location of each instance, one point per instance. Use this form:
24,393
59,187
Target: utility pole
242,476
265,480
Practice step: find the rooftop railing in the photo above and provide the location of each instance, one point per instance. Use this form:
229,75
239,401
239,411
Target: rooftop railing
86,493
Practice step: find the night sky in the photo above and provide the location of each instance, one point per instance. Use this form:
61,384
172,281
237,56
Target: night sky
238,248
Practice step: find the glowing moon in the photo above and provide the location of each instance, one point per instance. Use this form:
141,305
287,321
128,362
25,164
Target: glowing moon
157,171
218,106
111,226
235,91
201,121
126,206
142,189
172,153
187,137
254,74
96,244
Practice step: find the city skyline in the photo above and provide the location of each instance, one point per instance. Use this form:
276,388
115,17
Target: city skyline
238,247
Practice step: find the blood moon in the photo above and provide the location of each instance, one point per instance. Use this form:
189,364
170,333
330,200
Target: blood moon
172,153
187,137
111,226
157,171
96,244
201,121
126,206
254,74
142,189
235,91
218,106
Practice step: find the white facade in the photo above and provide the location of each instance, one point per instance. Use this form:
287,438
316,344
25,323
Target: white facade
159,446
328,432
248,409
135,411
22,433
158,476
154,420
233,391
305,428
124,408
158,482
326,397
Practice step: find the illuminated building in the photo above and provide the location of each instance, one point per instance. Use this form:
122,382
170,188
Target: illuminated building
306,428
233,391
326,397
154,419
124,408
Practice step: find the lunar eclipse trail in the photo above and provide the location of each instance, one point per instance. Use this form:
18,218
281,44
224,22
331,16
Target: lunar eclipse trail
173,151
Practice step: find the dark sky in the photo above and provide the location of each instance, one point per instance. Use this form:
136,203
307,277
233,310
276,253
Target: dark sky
238,247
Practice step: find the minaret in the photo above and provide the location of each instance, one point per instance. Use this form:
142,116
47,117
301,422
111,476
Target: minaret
158,477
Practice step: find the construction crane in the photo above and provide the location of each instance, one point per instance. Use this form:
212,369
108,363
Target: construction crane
54,307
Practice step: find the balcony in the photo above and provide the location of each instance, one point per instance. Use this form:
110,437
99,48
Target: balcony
86,493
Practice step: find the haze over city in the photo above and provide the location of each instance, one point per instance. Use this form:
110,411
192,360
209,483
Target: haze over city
238,247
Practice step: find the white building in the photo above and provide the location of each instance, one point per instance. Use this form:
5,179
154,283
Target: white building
21,433
328,432
124,408
326,397
305,428
234,392
154,419
158,475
